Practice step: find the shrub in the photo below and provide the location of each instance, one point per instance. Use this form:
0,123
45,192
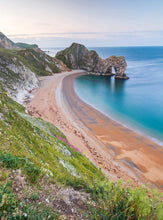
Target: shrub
15,162
115,202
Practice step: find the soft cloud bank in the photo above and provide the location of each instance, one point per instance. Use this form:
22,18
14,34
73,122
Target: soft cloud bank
146,38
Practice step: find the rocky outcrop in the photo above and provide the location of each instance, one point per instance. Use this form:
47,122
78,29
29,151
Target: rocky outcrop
78,56
19,67
16,78
61,65
38,61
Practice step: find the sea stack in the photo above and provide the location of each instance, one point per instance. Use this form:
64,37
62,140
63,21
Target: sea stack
77,56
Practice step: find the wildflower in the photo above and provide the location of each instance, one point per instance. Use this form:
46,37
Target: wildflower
85,153
100,166
25,215
70,145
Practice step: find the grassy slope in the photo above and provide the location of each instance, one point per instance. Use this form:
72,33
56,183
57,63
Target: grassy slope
26,46
34,59
38,148
26,137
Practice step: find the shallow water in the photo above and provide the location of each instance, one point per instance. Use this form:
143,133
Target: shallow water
137,102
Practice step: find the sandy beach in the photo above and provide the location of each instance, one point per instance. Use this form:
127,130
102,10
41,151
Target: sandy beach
119,151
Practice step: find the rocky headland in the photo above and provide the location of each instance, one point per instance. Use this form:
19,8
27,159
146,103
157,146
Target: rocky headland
20,66
77,56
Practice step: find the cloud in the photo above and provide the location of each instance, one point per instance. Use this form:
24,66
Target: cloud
57,39
62,34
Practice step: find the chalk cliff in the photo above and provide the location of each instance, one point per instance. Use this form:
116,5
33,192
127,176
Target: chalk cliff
16,78
20,63
77,56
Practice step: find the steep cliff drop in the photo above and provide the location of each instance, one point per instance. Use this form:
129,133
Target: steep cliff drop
77,56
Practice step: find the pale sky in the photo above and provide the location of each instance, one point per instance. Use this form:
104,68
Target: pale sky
57,23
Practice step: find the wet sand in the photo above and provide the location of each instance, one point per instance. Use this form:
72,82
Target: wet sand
119,151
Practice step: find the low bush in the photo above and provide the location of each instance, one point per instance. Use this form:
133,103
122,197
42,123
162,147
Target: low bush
15,162
11,208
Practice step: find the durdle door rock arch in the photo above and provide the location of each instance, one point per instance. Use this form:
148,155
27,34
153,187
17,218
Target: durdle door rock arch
77,56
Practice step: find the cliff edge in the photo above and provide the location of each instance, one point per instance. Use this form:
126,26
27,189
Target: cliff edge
77,56
6,43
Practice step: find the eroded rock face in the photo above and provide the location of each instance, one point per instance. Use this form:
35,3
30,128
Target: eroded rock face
16,78
78,56
119,64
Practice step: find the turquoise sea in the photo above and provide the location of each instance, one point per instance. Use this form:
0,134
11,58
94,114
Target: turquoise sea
136,103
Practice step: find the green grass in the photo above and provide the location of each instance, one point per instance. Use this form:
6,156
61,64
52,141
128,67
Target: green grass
64,60
12,208
35,60
26,46
28,137
38,148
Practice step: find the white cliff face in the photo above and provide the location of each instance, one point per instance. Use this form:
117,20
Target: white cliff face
18,79
48,69
29,81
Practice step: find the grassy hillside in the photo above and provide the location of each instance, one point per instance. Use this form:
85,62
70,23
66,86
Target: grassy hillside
41,170
35,59
26,46
7,43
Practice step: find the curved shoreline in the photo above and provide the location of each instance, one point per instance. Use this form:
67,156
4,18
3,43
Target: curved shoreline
124,148
125,124
107,143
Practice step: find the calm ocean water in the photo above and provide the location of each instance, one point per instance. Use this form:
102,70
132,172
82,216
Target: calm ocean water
137,102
